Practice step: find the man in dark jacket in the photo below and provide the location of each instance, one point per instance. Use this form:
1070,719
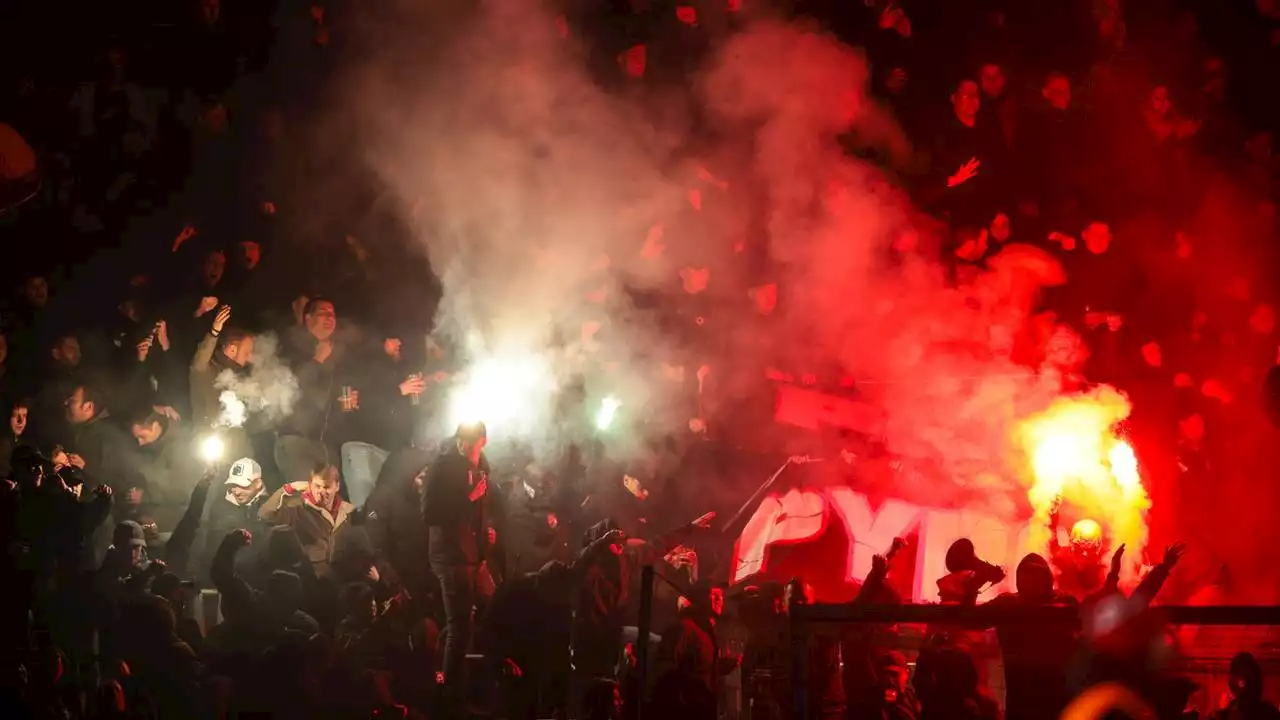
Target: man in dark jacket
236,508
1035,657
314,430
452,510
105,455
168,460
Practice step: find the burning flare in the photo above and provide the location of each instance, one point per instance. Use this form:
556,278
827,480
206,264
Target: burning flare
1074,454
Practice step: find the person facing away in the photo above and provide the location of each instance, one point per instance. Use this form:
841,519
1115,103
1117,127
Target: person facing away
1035,656
1244,684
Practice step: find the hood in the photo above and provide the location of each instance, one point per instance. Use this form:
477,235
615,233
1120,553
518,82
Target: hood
1035,579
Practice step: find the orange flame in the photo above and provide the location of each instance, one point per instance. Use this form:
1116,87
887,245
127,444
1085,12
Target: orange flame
1073,454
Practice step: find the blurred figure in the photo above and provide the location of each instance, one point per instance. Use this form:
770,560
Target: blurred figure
1244,684
1036,657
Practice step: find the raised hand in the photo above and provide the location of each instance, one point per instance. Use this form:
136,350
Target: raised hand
144,349
1116,559
894,547
1174,553
967,172
220,320
207,303
242,537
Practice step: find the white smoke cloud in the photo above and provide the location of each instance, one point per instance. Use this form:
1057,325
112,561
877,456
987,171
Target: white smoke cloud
267,392
541,198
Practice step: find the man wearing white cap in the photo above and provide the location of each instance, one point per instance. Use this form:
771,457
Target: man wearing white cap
237,508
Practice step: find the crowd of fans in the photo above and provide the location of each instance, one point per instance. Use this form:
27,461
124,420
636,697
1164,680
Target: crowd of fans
338,561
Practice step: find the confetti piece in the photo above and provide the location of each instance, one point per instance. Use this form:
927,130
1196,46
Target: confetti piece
1216,391
1263,320
695,279
765,298
653,245
706,176
589,330
1151,353
633,60
562,26
776,374
695,199
187,233
674,373
699,321
1192,427
687,15
1182,246
735,5
1182,380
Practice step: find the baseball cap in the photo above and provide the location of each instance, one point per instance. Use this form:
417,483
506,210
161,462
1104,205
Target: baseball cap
129,534
244,472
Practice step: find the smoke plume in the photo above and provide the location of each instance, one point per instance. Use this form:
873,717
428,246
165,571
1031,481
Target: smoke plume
266,393
546,204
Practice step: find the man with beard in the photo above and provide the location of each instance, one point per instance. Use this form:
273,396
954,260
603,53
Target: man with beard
218,352
452,510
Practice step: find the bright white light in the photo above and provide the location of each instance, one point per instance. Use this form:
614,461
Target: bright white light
608,411
211,449
507,394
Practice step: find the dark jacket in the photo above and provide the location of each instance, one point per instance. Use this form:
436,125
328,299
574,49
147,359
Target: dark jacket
171,467
224,515
316,413
455,524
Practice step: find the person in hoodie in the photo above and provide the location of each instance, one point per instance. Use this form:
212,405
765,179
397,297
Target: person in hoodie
1036,656
315,511
1244,684
957,693
238,507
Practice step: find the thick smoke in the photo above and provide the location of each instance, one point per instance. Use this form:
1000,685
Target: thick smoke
542,198
266,393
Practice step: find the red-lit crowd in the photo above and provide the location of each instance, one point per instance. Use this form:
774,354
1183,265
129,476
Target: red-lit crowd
332,555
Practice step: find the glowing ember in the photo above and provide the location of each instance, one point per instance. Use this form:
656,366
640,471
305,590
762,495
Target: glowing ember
1086,531
1074,455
